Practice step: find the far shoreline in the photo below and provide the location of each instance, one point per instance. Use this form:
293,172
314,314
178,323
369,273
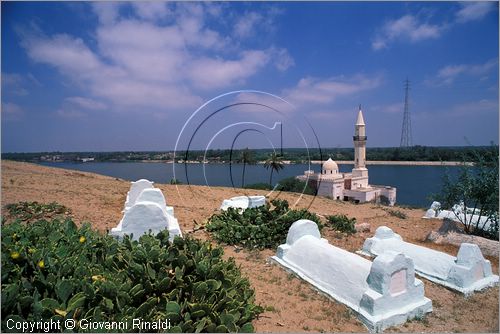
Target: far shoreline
313,162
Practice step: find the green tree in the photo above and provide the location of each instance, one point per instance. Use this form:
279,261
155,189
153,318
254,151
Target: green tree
246,158
475,192
274,163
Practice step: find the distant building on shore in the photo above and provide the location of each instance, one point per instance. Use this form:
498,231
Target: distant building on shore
352,186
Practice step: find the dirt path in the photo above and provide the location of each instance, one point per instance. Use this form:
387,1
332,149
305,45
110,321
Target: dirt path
291,305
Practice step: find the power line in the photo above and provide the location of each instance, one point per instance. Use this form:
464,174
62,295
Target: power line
406,136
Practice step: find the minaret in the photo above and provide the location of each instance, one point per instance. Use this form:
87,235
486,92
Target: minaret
360,148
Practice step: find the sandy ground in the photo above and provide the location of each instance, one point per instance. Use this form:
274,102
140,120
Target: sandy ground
291,305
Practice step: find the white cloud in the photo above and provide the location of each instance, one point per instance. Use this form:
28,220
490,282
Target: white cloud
392,108
474,10
11,111
70,55
253,23
407,27
282,59
106,11
247,24
209,73
475,107
13,84
86,103
151,10
323,91
70,113
141,64
448,74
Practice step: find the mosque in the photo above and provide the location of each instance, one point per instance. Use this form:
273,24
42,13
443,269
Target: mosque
352,186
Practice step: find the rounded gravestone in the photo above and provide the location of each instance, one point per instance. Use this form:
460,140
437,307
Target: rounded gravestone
301,228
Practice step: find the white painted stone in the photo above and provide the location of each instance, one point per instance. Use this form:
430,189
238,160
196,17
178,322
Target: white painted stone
148,212
383,293
243,202
430,214
136,187
457,214
155,195
436,206
468,272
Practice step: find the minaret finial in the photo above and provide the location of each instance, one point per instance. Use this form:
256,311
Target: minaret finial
360,106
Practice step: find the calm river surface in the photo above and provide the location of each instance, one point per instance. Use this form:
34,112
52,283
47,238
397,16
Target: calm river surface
414,183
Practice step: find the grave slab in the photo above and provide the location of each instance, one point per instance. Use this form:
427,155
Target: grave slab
243,202
466,273
136,187
148,211
383,293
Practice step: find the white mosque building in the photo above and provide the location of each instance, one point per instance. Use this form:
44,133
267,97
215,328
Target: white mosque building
352,186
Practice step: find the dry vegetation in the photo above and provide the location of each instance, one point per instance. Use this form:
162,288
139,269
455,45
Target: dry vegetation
291,305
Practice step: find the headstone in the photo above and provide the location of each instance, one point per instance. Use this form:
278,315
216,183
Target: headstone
383,293
468,272
136,187
155,195
146,210
362,227
243,202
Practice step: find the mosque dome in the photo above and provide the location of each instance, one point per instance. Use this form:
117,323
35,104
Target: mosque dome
330,165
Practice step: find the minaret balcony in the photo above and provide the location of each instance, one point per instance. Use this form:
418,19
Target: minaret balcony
359,138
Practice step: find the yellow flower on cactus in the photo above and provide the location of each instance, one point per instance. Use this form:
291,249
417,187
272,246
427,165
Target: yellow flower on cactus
41,264
31,250
15,255
82,239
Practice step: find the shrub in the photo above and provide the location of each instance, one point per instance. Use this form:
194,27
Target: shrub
175,181
397,213
28,211
474,187
342,223
56,271
295,185
260,227
258,186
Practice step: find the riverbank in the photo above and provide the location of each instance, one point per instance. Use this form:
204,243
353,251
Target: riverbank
298,308
316,162
402,163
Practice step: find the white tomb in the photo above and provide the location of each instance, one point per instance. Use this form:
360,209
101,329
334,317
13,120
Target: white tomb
383,293
243,202
136,187
468,272
458,215
146,211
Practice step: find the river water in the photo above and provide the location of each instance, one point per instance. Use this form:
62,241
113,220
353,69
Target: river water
414,183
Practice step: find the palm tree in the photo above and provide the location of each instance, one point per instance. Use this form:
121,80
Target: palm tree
246,158
275,164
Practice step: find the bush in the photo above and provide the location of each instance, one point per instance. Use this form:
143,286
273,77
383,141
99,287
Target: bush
342,223
258,186
175,181
260,227
475,187
28,211
397,213
294,185
56,271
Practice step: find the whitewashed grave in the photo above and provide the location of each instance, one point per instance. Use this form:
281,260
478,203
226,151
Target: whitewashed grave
146,210
383,293
243,202
467,272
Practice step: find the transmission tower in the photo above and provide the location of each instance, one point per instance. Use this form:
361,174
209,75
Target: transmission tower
406,137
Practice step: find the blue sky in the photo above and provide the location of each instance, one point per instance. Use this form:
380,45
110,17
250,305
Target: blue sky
127,76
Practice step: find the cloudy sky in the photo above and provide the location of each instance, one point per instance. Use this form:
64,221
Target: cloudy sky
128,76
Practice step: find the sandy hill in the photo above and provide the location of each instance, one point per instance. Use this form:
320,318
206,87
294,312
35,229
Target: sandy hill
291,305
